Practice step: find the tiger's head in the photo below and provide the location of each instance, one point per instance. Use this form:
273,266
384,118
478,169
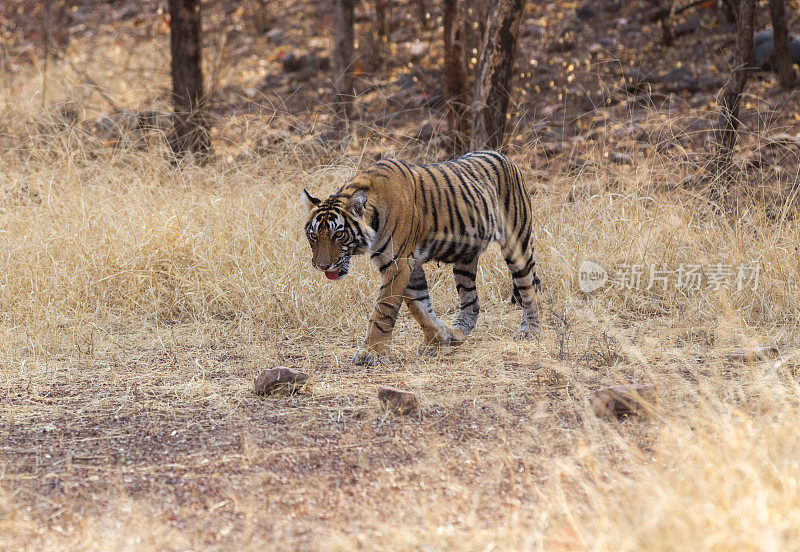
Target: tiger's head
336,231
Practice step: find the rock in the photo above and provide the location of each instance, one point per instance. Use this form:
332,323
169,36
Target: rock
292,62
550,149
328,137
280,378
753,354
271,81
417,50
585,11
764,46
426,132
623,400
621,158
276,34
397,400
306,64
532,29
561,45
687,27
268,141
680,79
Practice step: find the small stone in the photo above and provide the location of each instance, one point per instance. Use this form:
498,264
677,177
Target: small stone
621,158
585,11
532,29
753,354
280,378
688,27
623,400
397,400
276,34
426,132
292,62
417,50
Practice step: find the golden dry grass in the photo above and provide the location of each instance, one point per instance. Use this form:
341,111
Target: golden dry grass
138,301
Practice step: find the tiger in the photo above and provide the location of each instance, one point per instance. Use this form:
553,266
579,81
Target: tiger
404,215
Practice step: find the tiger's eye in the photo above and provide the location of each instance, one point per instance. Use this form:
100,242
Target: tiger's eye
338,235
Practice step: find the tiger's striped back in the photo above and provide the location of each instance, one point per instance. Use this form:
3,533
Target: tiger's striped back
448,212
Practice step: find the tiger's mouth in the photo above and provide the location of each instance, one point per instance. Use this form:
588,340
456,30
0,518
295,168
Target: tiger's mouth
338,271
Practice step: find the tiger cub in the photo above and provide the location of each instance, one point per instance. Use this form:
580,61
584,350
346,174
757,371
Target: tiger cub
404,215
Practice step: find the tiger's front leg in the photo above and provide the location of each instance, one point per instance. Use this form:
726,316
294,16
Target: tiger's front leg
394,279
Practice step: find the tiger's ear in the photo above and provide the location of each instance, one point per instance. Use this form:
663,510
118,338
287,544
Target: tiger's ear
309,201
358,202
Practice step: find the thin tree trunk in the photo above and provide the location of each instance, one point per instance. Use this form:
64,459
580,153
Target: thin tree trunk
190,133
495,72
732,93
422,13
667,37
343,59
780,34
46,57
380,31
455,76
731,9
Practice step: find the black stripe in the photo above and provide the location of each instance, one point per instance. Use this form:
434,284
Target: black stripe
374,220
523,272
465,273
381,249
387,265
397,164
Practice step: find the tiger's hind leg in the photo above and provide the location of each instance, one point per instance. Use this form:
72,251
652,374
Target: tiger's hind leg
522,265
469,308
437,336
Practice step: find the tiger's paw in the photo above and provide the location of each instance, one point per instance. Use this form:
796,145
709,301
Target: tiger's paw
526,334
369,358
433,349
458,336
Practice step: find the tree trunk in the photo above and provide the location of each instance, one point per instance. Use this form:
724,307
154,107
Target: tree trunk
667,36
343,59
732,93
455,76
495,72
780,35
190,133
422,13
731,9
379,36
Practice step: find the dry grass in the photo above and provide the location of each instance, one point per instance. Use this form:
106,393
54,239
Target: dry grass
138,300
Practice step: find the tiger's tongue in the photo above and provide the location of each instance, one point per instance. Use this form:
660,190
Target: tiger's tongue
331,274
